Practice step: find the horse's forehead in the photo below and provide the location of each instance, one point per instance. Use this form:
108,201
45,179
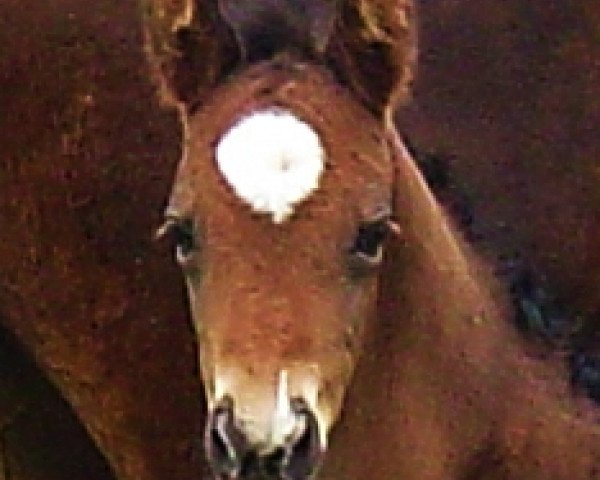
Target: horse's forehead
304,151
277,162
272,160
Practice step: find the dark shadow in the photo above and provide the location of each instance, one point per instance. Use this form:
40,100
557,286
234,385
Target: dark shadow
40,436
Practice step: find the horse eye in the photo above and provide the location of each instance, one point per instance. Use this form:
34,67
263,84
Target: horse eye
183,236
181,232
368,244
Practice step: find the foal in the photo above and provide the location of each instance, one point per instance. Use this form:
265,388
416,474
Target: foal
328,289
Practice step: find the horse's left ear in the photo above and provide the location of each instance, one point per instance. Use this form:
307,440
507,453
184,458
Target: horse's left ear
373,49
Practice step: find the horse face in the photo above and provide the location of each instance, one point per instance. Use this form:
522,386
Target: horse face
279,211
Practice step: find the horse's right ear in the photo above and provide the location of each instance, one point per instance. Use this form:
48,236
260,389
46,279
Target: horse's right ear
373,50
188,46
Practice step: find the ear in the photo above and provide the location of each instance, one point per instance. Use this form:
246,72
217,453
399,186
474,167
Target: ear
188,47
373,50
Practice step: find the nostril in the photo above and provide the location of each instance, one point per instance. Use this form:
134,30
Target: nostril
303,452
224,443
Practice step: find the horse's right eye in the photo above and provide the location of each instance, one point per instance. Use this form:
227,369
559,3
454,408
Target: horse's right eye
182,234
184,239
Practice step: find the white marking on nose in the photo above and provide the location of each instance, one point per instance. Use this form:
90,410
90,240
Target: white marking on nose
272,160
265,413
284,420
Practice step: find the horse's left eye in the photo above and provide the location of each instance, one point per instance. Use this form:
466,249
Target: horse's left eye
368,244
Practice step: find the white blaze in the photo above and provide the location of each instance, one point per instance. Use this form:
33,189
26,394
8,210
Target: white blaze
262,408
284,420
272,160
